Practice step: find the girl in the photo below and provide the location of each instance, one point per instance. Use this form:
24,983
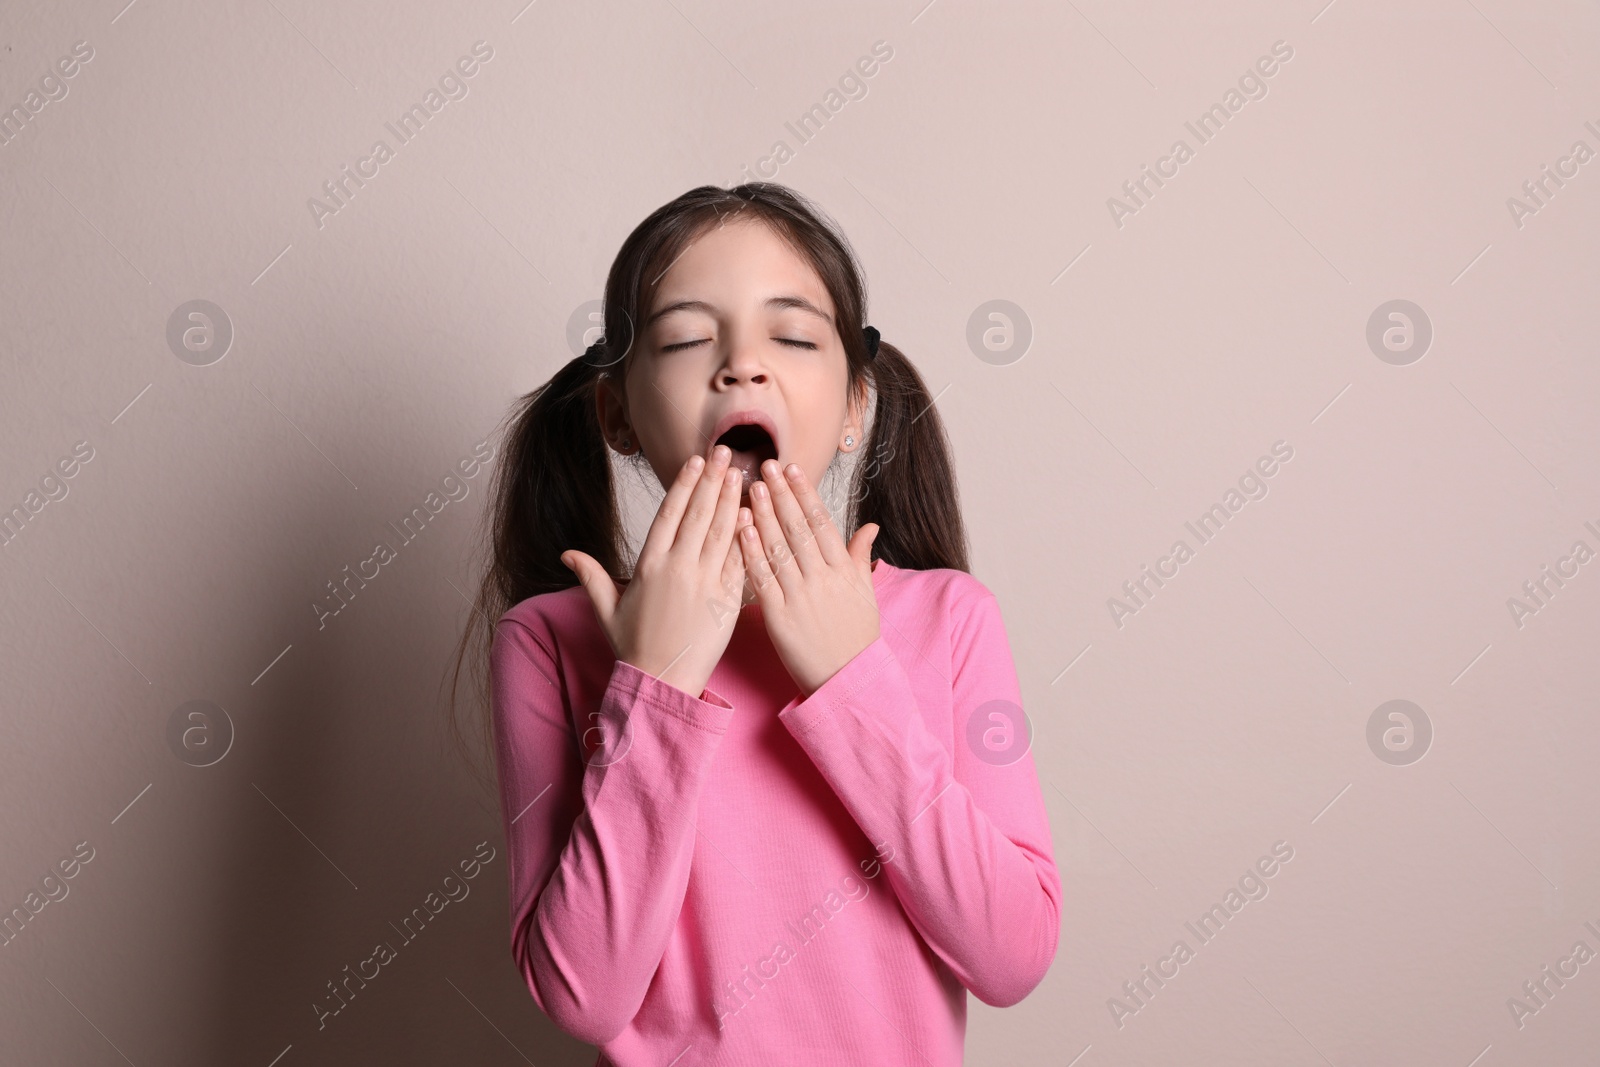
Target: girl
767,798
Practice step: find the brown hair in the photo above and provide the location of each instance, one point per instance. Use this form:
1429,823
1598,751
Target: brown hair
554,491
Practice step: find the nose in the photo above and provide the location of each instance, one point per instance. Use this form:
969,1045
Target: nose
742,364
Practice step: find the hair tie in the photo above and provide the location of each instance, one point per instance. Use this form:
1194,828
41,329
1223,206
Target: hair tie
872,336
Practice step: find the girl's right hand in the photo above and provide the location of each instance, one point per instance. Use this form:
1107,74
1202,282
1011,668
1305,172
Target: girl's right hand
671,619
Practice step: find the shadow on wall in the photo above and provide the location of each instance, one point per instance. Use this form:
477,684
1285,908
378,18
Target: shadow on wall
360,912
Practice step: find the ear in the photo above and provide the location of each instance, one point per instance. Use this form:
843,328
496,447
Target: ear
611,410
855,415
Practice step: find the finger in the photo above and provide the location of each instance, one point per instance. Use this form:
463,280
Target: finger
664,527
596,582
861,544
828,540
733,573
769,591
774,546
792,519
719,536
702,502
742,521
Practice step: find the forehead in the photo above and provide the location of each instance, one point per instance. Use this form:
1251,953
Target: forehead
739,265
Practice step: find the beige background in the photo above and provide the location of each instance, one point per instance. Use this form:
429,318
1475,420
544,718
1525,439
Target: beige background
1167,356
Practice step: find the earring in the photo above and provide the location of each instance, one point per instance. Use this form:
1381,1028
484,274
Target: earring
627,443
848,440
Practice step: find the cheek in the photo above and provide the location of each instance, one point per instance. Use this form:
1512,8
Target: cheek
651,400
666,421
817,414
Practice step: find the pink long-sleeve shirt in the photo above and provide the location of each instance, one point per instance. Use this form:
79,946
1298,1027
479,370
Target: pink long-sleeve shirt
749,877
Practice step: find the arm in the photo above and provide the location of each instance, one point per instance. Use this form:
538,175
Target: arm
599,841
972,863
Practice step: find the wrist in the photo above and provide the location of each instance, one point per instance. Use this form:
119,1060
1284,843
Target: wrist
672,675
694,687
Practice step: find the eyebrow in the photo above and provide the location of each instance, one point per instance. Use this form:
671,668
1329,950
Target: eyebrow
780,303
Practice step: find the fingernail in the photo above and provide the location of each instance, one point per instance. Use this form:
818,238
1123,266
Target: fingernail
696,462
722,452
793,471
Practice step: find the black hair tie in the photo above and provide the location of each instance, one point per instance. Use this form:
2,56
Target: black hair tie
872,336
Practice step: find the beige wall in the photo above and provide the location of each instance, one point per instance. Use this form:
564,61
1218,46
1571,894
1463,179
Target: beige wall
1170,349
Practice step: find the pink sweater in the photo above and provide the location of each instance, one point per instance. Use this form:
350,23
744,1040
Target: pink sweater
747,877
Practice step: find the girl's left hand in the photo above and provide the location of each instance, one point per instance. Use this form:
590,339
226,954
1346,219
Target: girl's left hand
815,594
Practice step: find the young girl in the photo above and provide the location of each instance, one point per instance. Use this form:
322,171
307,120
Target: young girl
767,798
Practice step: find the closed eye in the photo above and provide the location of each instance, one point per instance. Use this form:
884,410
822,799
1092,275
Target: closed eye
781,340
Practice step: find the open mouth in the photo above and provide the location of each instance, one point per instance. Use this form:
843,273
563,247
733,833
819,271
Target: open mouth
752,446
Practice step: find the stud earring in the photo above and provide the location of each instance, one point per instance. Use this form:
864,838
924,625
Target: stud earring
627,443
848,440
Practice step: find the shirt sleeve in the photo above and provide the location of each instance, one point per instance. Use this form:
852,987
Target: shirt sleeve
972,863
600,826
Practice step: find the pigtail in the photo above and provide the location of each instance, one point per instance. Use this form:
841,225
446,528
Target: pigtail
554,490
551,492
905,481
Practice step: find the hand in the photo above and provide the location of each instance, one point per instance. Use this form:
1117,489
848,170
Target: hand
672,620
816,594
